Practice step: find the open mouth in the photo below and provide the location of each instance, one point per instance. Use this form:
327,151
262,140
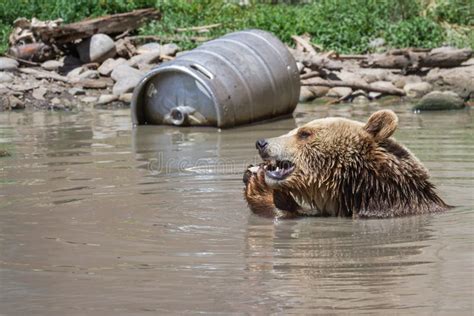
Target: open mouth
279,169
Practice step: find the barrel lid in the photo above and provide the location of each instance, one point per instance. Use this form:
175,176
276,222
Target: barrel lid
170,93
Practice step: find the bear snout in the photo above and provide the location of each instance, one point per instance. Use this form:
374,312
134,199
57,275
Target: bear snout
261,144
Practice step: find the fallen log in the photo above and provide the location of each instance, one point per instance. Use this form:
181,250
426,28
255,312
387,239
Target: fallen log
43,74
353,85
411,59
110,24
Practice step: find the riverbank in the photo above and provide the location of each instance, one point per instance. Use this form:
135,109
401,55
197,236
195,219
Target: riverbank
104,74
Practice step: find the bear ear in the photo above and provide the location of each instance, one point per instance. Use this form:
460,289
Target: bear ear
382,124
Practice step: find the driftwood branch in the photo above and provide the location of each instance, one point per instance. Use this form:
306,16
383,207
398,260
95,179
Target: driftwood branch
416,59
144,38
305,44
110,24
198,28
354,85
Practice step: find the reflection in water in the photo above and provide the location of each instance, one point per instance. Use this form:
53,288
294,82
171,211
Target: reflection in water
154,217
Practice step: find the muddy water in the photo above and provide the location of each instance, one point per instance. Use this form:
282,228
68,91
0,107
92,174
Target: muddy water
100,219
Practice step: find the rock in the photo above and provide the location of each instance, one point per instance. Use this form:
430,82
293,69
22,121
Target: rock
109,65
306,95
350,77
374,74
76,91
52,65
318,91
127,78
438,100
300,67
4,153
89,99
417,89
377,42
339,92
5,77
125,85
97,48
55,101
107,98
39,93
381,85
360,99
145,59
126,97
169,49
89,74
401,81
458,79
125,71
74,73
15,103
149,47
8,64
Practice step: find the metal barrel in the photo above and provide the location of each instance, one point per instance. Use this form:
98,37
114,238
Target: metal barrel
240,78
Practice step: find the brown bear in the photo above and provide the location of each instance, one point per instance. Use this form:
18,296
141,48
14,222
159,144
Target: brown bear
340,167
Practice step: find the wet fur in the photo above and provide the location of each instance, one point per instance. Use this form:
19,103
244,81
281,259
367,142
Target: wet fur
345,169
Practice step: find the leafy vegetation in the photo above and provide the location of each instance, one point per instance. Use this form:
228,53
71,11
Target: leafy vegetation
346,26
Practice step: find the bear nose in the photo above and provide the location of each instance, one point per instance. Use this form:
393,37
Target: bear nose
261,144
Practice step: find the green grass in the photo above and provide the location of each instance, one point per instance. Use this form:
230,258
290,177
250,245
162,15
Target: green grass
346,26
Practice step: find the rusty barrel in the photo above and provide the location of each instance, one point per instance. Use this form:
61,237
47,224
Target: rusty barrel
240,78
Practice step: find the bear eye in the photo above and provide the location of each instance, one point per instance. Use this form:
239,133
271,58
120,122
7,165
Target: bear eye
304,134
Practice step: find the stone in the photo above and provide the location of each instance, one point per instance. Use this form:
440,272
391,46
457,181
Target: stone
439,100
125,85
348,76
339,92
107,98
39,93
109,65
125,71
300,67
457,79
52,65
145,59
360,99
149,47
55,101
126,97
401,81
417,89
15,103
169,49
89,99
374,74
306,95
318,91
74,73
377,42
4,153
383,85
8,64
5,77
96,49
76,91
89,74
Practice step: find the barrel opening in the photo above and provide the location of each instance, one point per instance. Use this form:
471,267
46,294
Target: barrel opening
177,116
